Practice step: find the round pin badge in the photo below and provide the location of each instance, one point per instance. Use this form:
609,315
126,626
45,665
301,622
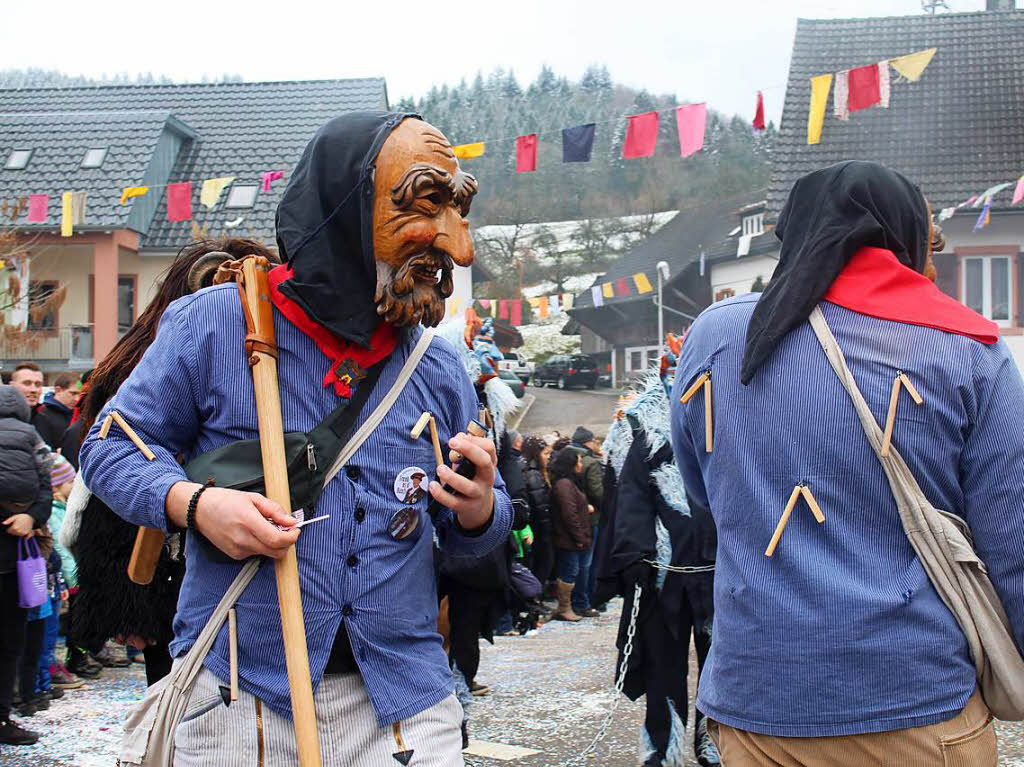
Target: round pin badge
403,522
411,485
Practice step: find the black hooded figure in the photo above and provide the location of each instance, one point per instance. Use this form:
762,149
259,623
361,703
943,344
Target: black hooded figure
325,224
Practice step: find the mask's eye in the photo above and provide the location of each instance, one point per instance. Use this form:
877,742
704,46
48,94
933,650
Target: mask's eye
435,198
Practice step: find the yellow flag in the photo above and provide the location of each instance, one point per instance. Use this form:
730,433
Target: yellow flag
132,191
608,290
643,285
469,151
567,301
66,228
494,307
543,307
913,65
820,87
212,187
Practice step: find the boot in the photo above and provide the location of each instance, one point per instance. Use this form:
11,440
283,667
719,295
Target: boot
81,664
564,611
12,734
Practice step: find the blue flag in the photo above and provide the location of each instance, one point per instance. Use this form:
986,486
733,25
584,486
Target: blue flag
577,143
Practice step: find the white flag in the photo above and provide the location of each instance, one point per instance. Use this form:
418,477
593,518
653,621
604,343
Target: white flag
595,292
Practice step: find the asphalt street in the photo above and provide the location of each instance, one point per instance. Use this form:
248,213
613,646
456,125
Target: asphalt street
563,411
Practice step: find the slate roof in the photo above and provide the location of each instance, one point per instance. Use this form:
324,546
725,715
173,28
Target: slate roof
678,243
956,132
242,130
59,143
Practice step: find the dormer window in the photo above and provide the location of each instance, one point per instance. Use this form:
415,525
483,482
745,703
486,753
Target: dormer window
94,158
753,225
18,159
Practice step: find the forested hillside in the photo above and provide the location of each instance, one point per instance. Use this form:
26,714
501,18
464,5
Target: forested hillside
496,108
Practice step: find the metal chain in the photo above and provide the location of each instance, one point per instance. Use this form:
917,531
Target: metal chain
681,568
627,650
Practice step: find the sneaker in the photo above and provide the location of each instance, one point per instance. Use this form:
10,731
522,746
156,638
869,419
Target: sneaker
62,679
12,734
55,693
107,658
479,690
81,664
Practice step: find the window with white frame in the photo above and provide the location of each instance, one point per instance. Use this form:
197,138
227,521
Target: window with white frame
639,358
94,158
18,159
241,196
753,225
986,286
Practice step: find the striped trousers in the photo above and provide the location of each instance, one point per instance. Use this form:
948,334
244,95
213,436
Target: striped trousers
966,740
248,734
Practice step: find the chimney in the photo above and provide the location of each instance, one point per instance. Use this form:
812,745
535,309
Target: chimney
1000,5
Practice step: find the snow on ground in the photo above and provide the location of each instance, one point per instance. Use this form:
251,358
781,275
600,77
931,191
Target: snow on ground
544,338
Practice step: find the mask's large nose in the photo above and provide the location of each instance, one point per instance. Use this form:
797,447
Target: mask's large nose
456,241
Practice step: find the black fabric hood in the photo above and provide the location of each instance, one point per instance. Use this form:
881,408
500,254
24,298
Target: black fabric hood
325,224
13,405
830,215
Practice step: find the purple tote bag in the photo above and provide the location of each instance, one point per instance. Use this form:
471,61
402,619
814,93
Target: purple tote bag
31,574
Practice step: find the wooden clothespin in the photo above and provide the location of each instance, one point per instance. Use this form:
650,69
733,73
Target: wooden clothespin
703,382
801,490
901,380
421,424
233,652
115,417
434,438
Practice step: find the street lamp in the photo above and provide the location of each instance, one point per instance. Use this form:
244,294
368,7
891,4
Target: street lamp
662,277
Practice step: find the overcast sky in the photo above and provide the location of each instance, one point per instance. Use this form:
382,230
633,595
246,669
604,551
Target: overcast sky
719,51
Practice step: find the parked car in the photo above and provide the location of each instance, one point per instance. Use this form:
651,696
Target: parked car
565,370
513,363
515,383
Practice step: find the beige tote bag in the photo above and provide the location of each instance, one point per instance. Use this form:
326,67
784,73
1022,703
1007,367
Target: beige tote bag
944,546
149,731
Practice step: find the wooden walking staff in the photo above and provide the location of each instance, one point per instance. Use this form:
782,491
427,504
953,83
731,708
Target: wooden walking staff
261,348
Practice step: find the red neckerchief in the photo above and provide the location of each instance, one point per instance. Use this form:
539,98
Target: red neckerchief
349,361
875,283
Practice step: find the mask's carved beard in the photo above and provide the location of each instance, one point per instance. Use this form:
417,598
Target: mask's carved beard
409,294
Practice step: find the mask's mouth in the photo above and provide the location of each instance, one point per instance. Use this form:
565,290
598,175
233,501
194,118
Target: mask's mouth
431,267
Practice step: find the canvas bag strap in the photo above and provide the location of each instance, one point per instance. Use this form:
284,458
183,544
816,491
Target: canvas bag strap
193,661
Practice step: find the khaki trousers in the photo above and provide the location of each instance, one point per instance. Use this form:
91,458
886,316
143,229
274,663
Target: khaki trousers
966,740
248,734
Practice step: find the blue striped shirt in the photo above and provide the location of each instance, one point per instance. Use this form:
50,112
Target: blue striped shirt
193,392
841,632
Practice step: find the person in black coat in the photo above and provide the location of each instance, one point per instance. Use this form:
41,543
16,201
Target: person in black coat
656,525
536,453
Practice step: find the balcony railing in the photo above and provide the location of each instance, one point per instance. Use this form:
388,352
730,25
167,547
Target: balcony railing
67,347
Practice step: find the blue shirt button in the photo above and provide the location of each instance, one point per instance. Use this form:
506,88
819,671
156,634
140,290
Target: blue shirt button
352,561
352,472
347,610
360,514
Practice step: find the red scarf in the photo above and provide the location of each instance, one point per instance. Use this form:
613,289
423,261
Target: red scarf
875,283
349,361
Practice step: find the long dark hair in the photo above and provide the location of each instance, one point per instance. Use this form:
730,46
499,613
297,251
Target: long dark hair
562,465
113,369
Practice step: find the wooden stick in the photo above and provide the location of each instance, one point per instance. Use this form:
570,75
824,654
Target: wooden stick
783,520
421,424
694,388
438,455
149,542
275,471
128,430
813,503
890,419
911,389
709,432
105,428
233,651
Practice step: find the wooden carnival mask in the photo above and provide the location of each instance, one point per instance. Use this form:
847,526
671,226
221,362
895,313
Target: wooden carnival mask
421,200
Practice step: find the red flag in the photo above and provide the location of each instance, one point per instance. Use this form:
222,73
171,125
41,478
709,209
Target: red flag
641,135
37,208
621,288
517,312
690,122
503,309
759,112
526,153
179,201
865,90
